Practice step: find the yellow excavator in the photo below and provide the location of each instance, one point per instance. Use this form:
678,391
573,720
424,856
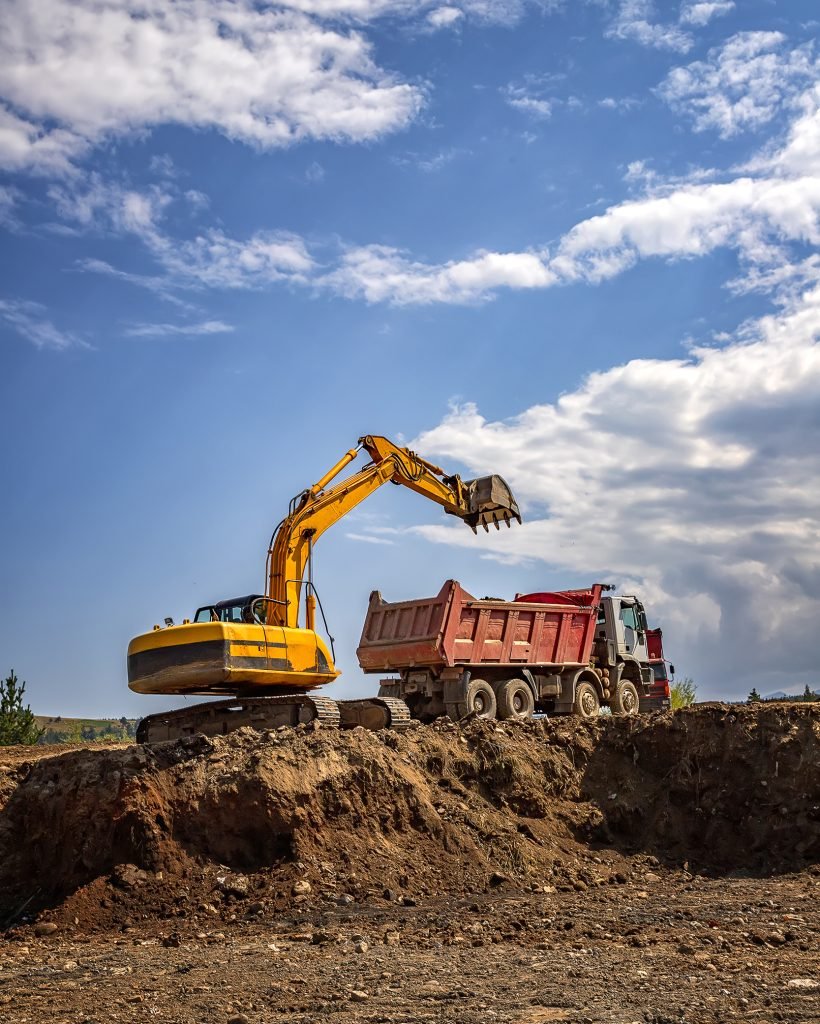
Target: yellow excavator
253,648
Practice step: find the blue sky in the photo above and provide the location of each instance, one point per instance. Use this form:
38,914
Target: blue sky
571,242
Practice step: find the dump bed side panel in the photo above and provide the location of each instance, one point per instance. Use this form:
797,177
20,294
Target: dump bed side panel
453,628
522,634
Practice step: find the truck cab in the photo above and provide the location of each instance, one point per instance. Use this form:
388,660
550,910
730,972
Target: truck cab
621,633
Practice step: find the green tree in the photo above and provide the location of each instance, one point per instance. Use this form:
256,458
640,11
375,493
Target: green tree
17,723
809,694
683,693
754,697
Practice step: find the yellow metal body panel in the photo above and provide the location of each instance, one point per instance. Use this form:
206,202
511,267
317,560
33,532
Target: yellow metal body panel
228,658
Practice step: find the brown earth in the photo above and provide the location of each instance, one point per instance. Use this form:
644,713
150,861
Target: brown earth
654,870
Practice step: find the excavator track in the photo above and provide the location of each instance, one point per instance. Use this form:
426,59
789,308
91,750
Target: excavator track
217,718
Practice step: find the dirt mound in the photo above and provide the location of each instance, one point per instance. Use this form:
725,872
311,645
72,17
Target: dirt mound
729,788
303,815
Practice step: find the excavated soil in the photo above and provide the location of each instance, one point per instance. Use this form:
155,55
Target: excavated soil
527,872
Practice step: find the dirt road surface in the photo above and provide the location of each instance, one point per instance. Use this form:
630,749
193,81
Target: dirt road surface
661,871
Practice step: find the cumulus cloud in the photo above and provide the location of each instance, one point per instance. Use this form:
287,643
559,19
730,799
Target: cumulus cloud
694,481
742,84
262,75
701,12
29,320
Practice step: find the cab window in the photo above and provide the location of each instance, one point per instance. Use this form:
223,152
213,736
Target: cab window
628,616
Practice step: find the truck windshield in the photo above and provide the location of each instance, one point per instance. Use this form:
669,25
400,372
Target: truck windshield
659,671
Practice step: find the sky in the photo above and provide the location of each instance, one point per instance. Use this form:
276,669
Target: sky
573,243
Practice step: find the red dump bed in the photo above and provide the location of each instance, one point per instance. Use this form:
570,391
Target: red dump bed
453,628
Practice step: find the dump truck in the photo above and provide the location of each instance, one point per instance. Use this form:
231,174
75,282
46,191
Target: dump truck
254,649
569,651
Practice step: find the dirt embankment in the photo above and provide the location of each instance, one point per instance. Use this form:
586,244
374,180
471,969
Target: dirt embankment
97,835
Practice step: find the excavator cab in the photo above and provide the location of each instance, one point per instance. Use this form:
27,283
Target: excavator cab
490,500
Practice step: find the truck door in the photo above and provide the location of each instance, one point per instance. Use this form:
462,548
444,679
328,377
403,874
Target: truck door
632,630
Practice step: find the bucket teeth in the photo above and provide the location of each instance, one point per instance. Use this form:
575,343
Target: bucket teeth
490,501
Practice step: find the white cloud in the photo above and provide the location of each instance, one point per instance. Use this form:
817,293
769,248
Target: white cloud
635,21
752,216
9,197
28,319
741,85
745,214
445,17
183,330
378,273
801,154
430,163
25,146
315,173
696,481
701,12
533,95
265,76
210,259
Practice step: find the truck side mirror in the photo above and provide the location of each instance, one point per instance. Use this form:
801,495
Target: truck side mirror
671,670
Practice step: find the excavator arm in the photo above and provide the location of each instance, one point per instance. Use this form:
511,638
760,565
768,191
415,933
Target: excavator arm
477,502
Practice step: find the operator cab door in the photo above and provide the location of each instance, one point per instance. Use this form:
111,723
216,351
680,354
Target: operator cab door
631,629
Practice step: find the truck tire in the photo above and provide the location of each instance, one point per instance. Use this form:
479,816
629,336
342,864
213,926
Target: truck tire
625,700
587,703
478,700
515,700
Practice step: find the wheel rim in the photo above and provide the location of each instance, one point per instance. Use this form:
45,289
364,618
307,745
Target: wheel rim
588,703
518,703
479,704
629,700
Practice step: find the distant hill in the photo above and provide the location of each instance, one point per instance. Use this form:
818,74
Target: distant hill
59,729
794,692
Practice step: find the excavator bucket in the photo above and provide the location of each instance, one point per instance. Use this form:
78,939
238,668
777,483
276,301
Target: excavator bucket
491,501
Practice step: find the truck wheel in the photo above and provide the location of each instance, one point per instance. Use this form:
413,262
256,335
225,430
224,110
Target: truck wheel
478,700
515,699
625,700
587,704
